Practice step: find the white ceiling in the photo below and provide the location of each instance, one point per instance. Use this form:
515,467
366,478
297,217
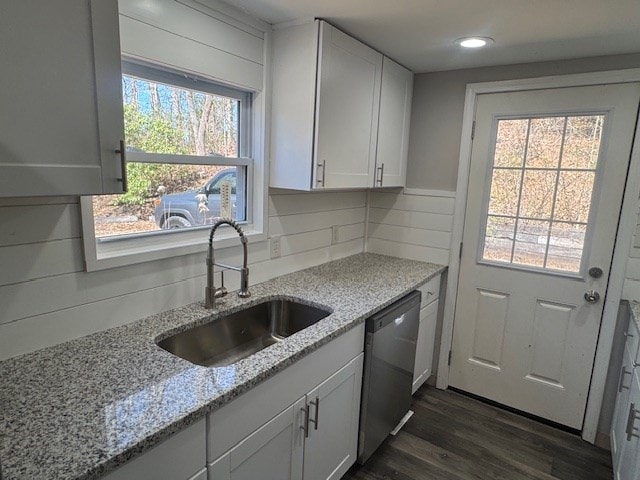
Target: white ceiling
419,33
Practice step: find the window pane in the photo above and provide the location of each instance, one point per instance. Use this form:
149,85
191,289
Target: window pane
545,140
169,196
498,240
510,141
542,191
582,142
161,118
575,190
537,193
505,186
565,246
531,243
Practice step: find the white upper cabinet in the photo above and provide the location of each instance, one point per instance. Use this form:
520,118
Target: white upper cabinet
393,126
347,107
61,118
326,110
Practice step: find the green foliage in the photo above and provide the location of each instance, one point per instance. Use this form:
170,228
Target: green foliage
150,133
168,120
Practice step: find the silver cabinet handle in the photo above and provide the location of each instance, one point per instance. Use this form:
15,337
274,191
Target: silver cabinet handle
305,428
381,170
621,385
322,165
316,404
627,335
123,166
631,419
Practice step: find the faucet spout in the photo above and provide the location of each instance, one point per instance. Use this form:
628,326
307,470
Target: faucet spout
211,292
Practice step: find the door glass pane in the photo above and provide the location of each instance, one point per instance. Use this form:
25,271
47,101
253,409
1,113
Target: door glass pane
498,243
545,141
531,243
565,246
510,142
538,209
537,193
504,192
574,196
582,142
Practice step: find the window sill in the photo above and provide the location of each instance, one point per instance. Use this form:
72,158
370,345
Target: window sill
119,253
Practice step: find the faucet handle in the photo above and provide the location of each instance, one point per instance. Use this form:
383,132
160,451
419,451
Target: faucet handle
222,291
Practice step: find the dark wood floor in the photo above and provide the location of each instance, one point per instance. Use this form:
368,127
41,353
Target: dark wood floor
453,437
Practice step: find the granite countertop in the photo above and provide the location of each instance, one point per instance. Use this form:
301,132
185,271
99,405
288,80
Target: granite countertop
80,409
634,308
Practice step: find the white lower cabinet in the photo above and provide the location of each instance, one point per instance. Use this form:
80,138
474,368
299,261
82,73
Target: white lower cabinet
625,428
425,345
300,423
628,464
426,332
331,445
180,457
315,438
274,451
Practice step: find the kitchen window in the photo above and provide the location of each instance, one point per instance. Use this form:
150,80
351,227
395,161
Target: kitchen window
188,163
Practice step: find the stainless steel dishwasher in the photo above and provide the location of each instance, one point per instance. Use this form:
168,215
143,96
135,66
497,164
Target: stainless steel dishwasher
390,351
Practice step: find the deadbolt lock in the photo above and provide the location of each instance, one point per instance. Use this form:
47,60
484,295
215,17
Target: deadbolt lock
595,272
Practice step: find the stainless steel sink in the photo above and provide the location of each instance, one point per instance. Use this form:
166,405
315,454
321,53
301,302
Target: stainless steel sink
230,338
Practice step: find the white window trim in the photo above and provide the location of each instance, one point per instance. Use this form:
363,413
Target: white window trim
141,249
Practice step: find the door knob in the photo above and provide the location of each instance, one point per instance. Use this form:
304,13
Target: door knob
592,296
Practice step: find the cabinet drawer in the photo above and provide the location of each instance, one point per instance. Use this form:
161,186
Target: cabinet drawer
430,291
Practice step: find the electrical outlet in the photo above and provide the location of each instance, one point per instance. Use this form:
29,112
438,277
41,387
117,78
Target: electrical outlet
335,234
275,247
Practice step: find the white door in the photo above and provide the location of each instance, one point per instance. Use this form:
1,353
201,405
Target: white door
347,108
547,174
332,443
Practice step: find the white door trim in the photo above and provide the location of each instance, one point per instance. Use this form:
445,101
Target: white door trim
621,248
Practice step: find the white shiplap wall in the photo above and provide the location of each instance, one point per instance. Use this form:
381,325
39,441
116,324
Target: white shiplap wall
411,225
46,297
418,226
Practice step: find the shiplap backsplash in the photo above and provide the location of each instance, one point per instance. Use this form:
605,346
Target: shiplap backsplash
46,297
631,289
415,226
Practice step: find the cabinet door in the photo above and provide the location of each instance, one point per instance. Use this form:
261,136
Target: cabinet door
347,108
628,464
273,452
393,125
425,344
625,377
331,446
60,97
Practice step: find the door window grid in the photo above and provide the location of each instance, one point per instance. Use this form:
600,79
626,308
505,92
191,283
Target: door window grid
555,159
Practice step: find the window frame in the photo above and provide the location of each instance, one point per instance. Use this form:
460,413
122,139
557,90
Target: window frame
110,252
597,187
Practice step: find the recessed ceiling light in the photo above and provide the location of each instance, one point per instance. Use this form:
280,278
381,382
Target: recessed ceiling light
474,42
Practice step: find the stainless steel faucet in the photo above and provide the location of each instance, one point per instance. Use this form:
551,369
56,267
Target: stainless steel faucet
211,292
